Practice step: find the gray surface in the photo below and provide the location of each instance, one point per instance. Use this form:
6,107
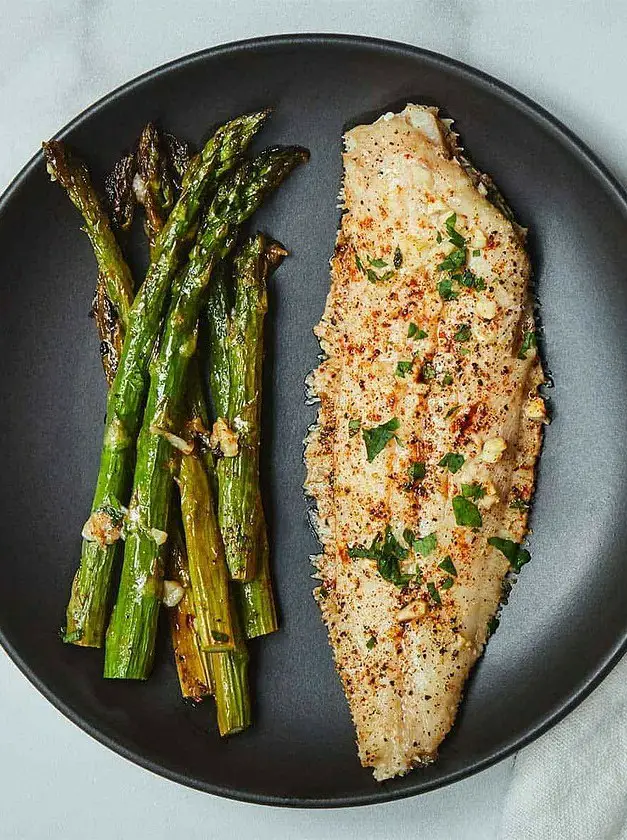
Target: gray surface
57,59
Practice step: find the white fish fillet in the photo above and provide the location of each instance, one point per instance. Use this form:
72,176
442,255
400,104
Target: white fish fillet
403,657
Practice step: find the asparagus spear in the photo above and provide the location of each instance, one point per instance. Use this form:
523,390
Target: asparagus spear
239,509
178,155
162,161
153,185
73,176
86,612
131,634
119,191
110,330
230,684
192,664
208,571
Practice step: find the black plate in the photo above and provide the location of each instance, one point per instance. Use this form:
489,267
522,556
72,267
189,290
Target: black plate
566,623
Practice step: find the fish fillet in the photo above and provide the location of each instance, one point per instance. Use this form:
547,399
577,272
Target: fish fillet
428,431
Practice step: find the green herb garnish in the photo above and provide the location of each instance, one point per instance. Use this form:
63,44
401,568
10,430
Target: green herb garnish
414,331
470,280
516,555
389,554
417,470
473,491
454,236
403,368
398,257
452,461
372,275
466,512
353,427
359,263
445,289
528,343
378,263
447,583
378,437
438,237
447,379
455,260
452,411
427,372
519,504
447,565
463,333
434,592
371,643
425,545
476,252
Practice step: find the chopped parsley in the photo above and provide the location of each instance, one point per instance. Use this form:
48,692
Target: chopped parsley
466,512
528,343
389,554
378,263
371,643
403,368
425,545
470,280
447,379
473,491
378,437
353,427
434,592
454,236
438,237
516,555
455,260
398,257
372,275
476,252
452,411
428,372
463,333
445,289
359,263
447,565
447,583
519,504
417,470
452,461
414,331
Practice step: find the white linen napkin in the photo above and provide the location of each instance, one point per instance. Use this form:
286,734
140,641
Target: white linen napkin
571,784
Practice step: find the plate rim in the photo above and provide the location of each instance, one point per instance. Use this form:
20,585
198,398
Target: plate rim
580,692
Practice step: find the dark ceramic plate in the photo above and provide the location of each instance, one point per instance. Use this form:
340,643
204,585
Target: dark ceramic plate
566,623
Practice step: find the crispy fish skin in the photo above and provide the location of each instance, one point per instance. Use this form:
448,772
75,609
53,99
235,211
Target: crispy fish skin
403,657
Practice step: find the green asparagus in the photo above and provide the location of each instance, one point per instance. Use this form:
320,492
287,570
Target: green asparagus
230,686
192,665
87,609
153,184
73,176
208,571
131,634
239,508
119,191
